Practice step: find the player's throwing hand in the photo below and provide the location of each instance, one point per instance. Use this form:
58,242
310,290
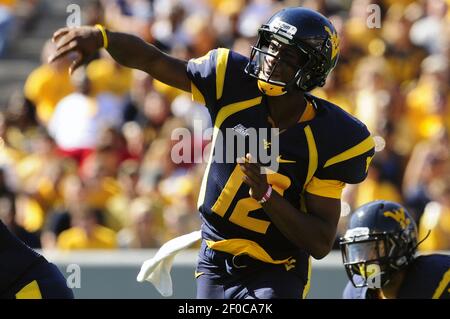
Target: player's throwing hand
82,40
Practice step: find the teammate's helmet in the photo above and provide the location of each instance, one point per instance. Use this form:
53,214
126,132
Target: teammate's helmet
311,34
381,239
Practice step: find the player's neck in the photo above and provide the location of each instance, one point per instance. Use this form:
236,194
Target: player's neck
390,291
285,110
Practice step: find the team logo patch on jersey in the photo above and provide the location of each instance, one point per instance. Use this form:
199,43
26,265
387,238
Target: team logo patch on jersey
241,129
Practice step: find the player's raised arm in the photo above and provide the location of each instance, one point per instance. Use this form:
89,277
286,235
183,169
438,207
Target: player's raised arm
126,49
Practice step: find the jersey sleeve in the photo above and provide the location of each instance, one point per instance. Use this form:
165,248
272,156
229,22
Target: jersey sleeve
325,188
207,75
349,166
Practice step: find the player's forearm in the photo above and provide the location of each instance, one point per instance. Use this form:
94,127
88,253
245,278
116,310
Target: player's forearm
305,230
133,52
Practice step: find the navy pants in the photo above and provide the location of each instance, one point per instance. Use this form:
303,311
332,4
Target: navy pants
42,280
223,276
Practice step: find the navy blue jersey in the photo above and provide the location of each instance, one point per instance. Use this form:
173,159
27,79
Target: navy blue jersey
331,146
25,274
15,258
428,277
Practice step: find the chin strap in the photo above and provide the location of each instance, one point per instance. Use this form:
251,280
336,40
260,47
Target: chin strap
271,89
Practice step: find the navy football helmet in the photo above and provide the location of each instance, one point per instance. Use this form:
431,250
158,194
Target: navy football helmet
381,239
311,35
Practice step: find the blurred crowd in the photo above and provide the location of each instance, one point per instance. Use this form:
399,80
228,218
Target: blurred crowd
86,160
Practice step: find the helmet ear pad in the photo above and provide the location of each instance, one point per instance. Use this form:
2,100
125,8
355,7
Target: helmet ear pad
405,248
311,74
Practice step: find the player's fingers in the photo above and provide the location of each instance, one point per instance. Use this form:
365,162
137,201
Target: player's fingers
249,181
70,47
245,169
250,175
252,168
69,38
59,33
256,172
262,170
66,40
253,175
241,160
251,159
76,64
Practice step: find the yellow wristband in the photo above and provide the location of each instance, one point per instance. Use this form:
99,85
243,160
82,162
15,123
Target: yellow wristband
105,37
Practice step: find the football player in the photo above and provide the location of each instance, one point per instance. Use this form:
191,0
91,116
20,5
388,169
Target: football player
259,230
25,274
378,252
